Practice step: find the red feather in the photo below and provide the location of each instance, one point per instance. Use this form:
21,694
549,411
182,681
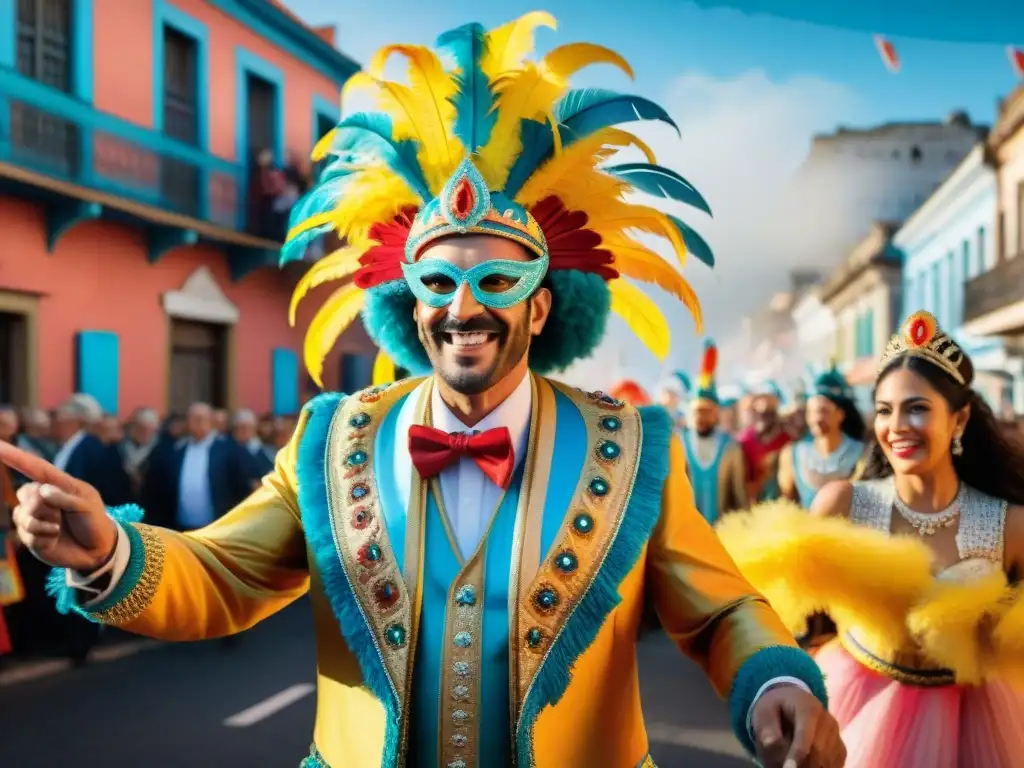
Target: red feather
570,245
383,262
710,361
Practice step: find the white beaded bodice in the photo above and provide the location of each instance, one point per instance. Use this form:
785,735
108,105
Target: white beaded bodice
982,517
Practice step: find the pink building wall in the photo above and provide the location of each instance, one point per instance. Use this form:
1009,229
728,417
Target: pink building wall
98,278
123,71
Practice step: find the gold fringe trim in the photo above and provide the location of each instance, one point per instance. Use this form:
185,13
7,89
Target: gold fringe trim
135,602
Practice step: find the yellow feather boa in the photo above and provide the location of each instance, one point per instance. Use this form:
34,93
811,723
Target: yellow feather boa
884,585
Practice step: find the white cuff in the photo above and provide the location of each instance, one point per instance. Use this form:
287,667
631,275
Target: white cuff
116,567
774,682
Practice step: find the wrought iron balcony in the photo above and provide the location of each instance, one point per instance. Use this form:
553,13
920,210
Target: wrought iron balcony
994,290
86,164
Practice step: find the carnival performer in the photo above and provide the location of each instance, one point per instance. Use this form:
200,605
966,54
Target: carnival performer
834,446
672,397
714,460
762,441
919,565
477,610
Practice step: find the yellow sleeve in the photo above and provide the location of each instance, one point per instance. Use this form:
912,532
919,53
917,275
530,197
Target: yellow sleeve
708,609
220,579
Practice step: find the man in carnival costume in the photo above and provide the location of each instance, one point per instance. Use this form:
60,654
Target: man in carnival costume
476,543
673,397
714,460
762,441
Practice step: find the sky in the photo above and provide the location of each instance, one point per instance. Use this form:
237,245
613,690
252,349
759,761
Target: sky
748,92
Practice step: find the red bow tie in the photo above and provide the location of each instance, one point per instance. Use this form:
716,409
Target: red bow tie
432,450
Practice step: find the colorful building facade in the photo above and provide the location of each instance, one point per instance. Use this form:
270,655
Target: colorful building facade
131,266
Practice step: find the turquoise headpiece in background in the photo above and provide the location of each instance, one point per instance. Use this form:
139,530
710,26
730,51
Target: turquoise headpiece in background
833,385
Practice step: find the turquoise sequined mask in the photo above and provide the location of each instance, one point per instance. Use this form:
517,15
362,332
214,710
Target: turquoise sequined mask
497,284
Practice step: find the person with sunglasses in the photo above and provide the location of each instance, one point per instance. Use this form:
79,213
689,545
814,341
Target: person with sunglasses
478,540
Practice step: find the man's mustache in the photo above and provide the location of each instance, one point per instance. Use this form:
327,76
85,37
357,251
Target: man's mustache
473,325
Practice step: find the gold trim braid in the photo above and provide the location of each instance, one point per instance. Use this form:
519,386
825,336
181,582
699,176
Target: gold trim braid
131,606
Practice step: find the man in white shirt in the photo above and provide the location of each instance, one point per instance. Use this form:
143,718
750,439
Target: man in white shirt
478,542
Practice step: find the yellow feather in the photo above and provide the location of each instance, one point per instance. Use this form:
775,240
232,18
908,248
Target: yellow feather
375,195
383,369
330,322
526,94
360,80
571,173
641,263
335,266
509,44
620,215
1008,643
566,60
323,147
617,137
642,315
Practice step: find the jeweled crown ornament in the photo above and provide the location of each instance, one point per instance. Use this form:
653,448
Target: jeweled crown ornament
921,337
466,206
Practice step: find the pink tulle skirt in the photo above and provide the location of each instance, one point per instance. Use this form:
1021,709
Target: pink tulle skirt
889,725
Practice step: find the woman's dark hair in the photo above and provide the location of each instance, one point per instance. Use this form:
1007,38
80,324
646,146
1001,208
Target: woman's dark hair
992,460
853,425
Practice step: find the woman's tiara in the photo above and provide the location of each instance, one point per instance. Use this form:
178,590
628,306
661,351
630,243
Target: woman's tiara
921,337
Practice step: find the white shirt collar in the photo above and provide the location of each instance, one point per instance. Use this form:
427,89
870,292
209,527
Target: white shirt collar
514,412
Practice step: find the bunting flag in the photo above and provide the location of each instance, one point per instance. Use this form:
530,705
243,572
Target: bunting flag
888,53
1016,56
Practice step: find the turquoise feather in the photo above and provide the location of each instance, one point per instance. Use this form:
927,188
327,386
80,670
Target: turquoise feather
685,381
584,111
695,244
580,113
372,134
538,143
660,182
474,103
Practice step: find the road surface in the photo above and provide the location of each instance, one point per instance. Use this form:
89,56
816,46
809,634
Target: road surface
250,705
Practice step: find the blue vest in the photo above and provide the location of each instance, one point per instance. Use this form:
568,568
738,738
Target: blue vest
464,619
705,477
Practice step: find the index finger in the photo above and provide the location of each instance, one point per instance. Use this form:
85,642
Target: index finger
36,469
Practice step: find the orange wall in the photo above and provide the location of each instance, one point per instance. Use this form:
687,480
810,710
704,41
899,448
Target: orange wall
99,279
123,71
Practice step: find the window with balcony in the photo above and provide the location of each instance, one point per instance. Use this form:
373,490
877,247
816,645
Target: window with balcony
179,181
44,54
13,359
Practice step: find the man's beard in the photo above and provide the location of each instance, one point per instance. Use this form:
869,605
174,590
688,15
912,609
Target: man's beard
513,343
705,431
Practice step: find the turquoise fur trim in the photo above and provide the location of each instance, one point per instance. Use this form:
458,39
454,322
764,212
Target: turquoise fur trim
768,663
67,597
579,315
316,521
582,626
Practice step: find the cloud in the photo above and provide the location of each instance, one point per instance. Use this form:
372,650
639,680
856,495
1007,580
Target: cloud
742,140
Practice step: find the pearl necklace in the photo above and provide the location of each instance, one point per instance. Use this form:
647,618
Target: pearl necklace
841,461
926,524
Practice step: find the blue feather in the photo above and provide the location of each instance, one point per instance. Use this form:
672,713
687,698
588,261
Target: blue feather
538,141
584,111
695,244
474,103
580,113
660,182
685,381
372,133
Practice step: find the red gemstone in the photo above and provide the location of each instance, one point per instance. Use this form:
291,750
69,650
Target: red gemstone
464,199
919,331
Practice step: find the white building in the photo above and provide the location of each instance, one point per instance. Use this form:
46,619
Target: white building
815,327
854,177
946,243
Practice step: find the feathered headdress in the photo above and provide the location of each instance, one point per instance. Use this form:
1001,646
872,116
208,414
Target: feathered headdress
628,391
482,140
706,377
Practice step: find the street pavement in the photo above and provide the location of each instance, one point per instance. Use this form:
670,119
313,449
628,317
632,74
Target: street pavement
141,704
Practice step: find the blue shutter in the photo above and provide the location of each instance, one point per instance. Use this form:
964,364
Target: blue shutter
285,382
97,367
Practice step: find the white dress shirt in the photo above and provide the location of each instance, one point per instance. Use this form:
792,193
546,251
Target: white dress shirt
195,501
60,461
470,497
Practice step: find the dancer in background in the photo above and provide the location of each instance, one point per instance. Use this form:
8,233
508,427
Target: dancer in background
762,441
714,460
919,565
834,446
628,391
